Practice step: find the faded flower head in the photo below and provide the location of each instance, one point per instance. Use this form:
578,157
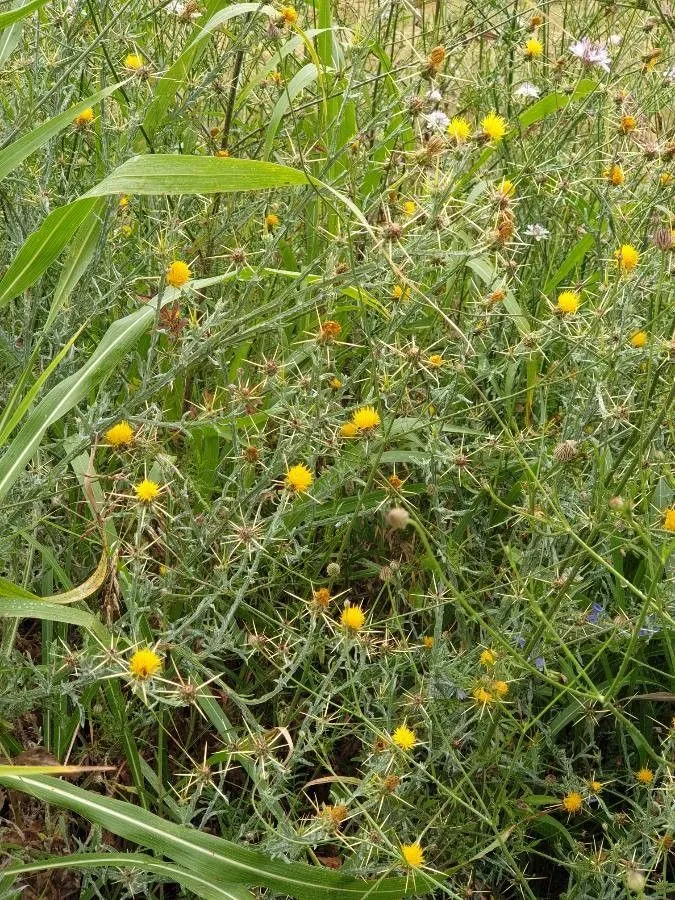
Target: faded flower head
591,53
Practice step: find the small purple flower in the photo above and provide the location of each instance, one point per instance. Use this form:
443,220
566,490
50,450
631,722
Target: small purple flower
591,53
594,615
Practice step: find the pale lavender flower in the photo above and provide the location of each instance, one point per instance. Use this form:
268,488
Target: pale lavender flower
437,120
527,90
434,96
538,232
591,53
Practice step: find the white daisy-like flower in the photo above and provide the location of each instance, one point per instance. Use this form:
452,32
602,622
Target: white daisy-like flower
434,96
537,231
591,53
527,90
437,120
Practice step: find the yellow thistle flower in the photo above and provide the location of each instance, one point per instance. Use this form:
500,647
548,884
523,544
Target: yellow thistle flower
627,124
573,802
665,178
669,519
644,775
435,361
615,175
626,257
271,221
595,787
133,61
428,641
365,418
120,435
299,479
413,854
178,274
398,292
353,617
144,664
147,491
494,127
410,207
488,658
639,339
289,14
501,688
507,188
480,695
568,302
349,430
335,384
533,48
86,117
404,737
459,130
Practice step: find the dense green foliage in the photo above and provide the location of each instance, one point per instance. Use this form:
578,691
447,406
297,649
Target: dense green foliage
337,345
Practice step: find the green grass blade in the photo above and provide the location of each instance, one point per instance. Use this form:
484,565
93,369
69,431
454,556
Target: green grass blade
19,608
198,884
296,86
206,854
15,15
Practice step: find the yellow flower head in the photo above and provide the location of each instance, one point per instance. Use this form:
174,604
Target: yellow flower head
349,430
614,174
435,361
494,127
178,274
299,479
335,384
428,641
627,124
86,117
365,418
404,737
459,130
289,14
500,688
568,302
413,855
507,188
595,787
639,339
480,695
644,775
533,48
410,207
669,519
123,201
120,435
665,178
353,617
271,221
488,658
398,292
573,802
626,257
133,61
146,491
144,664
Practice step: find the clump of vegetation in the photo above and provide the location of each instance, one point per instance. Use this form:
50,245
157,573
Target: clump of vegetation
336,449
